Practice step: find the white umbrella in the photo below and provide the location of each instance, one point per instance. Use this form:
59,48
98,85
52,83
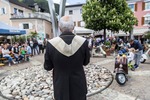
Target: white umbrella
82,31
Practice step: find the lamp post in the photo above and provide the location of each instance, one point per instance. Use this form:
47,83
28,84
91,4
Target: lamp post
54,17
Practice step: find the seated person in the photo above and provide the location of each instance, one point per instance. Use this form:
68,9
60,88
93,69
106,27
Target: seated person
131,55
15,50
130,58
6,54
122,51
23,51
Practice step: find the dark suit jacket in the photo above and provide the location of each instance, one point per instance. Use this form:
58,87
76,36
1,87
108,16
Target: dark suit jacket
137,45
68,74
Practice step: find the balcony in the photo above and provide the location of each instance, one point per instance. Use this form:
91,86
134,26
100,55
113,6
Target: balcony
35,15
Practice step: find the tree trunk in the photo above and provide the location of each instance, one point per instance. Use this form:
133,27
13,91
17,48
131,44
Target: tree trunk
104,35
131,35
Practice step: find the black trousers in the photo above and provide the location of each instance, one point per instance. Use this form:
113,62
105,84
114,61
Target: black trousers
41,49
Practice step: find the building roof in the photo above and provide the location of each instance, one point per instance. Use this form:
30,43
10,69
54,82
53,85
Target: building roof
20,4
74,5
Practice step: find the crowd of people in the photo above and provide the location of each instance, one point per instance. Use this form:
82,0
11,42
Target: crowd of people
37,46
133,47
18,52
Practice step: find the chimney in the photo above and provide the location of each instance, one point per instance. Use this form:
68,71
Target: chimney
36,7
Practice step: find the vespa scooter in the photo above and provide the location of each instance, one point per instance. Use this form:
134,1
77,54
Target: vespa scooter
121,69
98,51
146,55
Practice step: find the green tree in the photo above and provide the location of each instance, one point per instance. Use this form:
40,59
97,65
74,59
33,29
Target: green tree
147,36
111,15
43,4
34,34
19,39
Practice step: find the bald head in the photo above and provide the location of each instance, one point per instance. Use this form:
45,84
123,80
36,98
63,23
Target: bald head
66,24
66,18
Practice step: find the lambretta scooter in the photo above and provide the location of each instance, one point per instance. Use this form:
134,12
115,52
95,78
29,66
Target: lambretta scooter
98,51
121,69
146,55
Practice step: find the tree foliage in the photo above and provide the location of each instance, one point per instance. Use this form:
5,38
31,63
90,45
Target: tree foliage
147,36
34,34
19,39
112,15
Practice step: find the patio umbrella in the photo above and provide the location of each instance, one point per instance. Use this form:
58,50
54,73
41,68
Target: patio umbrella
9,30
6,30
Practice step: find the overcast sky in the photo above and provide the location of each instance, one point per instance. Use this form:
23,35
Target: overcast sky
71,1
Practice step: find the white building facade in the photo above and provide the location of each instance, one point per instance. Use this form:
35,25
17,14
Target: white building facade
21,16
76,12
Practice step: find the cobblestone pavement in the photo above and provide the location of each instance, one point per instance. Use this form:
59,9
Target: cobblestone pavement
136,88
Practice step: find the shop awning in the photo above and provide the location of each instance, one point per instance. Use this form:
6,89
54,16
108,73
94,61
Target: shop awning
82,31
9,30
140,31
121,33
136,32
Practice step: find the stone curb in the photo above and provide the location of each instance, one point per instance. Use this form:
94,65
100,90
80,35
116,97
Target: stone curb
99,91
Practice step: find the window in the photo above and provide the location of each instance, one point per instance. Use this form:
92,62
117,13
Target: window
70,12
15,10
147,5
132,7
80,11
147,20
25,26
3,10
20,13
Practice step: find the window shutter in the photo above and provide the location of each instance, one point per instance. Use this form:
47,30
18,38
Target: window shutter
143,6
79,23
20,26
74,23
82,24
142,20
135,7
1,11
30,25
5,10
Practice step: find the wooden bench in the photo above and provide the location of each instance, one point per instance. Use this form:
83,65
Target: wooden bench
2,59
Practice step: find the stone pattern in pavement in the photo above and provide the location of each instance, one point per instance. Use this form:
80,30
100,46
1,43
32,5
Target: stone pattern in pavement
36,83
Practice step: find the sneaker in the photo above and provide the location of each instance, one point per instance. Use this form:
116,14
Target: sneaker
14,62
136,66
9,64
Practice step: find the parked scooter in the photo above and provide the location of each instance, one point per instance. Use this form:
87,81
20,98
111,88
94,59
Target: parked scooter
98,51
121,69
146,55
